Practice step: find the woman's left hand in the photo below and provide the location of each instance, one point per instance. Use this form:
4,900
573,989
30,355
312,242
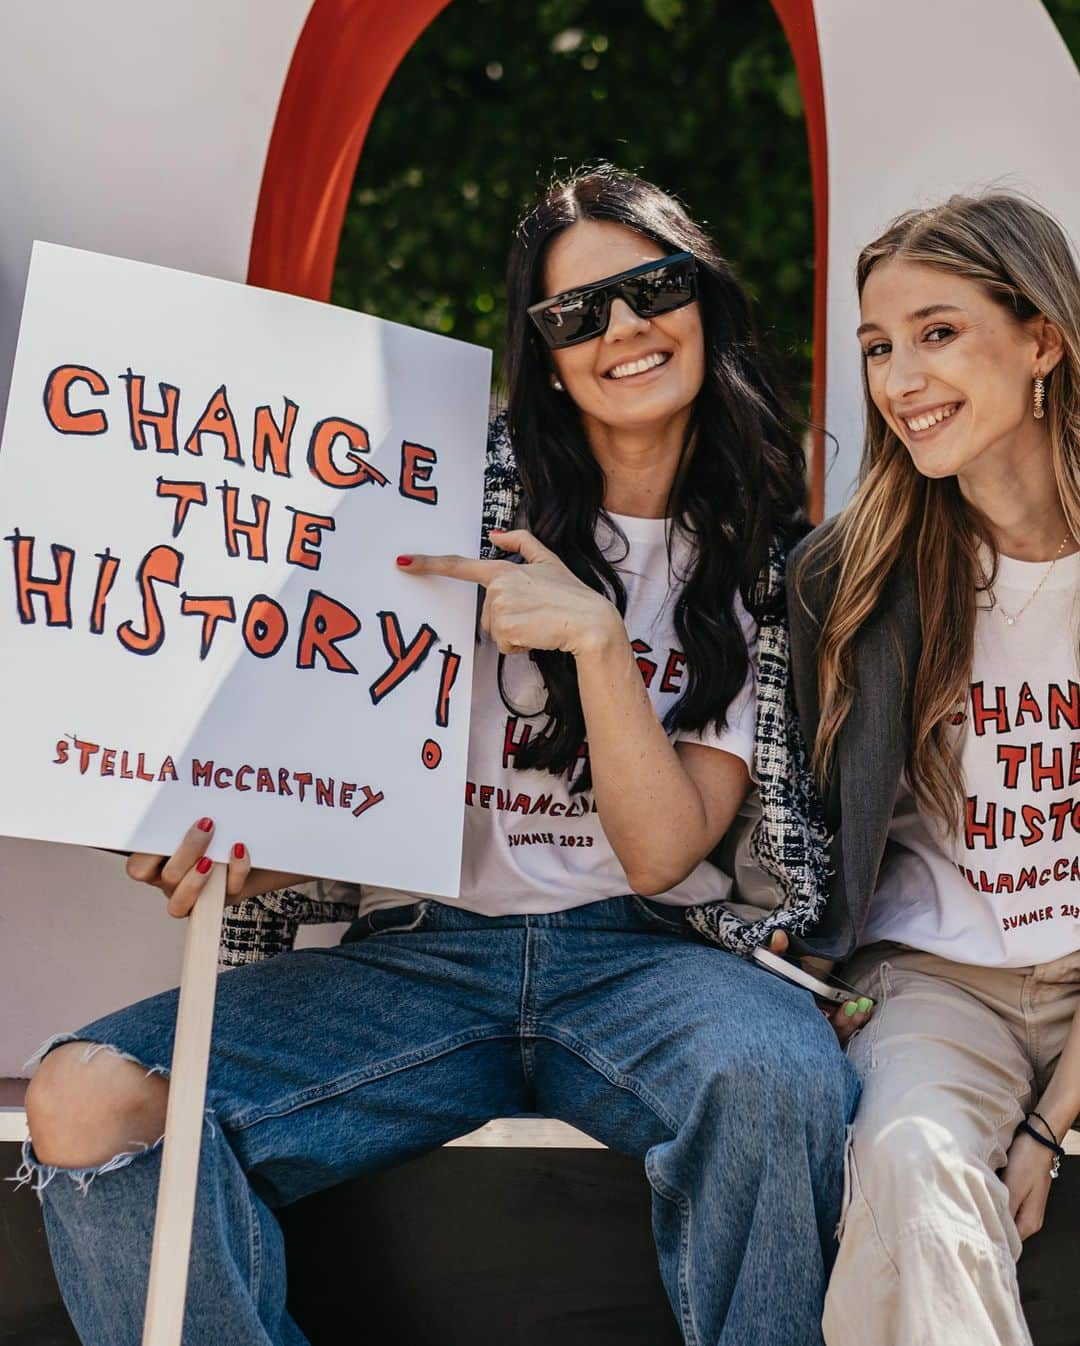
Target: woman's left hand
540,605
1027,1176
847,1018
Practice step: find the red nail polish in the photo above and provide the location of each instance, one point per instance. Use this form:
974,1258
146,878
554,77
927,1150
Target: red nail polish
404,560
205,824
238,851
205,865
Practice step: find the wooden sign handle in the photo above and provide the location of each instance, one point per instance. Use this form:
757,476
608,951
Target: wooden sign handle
167,1290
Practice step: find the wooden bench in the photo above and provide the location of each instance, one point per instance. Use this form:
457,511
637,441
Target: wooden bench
525,1232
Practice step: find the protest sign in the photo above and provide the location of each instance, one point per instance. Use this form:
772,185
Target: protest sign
203,487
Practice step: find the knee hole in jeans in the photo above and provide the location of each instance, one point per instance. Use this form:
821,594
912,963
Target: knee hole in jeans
88,1102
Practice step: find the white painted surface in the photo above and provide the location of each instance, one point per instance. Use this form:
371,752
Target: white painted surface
78,939
922,100
136,127
12,1125
529,1133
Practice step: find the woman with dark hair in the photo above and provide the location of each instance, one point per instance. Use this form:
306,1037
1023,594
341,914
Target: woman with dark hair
935,638
645,487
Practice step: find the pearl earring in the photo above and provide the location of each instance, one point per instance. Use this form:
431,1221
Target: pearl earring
1040,398
556,384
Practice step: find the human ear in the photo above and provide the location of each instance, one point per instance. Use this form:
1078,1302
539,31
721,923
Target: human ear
1049,345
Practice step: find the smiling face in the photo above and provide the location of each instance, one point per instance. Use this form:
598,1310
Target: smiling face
641,372
949,369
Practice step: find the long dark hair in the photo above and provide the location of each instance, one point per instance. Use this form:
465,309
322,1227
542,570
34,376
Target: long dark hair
740,485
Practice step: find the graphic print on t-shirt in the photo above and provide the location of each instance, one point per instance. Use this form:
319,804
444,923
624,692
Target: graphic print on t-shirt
554,799
1038,787
531,843
1005,888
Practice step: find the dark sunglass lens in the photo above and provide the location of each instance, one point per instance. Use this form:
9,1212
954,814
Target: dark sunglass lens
574,319
664,290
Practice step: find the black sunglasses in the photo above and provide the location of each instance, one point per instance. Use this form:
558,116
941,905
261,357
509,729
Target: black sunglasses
580,315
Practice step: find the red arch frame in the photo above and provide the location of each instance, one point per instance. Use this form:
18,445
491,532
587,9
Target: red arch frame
346,55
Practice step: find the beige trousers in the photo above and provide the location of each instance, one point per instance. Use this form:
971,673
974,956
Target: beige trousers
951,1062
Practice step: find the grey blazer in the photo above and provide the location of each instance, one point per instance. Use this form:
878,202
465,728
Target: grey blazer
872,747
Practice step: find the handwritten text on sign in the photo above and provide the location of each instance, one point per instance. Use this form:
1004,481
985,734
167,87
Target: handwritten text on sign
215,480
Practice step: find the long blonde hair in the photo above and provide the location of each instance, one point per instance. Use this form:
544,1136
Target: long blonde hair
1022,259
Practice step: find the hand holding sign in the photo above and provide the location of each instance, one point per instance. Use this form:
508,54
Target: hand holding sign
183,875
540,605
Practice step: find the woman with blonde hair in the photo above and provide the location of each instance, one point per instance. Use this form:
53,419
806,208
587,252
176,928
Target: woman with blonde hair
935,653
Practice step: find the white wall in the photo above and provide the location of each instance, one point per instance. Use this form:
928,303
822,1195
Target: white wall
78,939
136,127
923,99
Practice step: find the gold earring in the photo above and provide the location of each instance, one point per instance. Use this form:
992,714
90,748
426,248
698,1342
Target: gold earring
1040,398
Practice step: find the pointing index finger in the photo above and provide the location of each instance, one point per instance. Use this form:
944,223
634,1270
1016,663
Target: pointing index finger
453,567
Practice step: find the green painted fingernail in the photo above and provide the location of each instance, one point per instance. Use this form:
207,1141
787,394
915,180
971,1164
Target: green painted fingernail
864,1004
850,1008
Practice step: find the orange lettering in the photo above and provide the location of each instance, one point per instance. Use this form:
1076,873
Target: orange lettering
254,533
212,611
265,626
417,463
217,419
326,621
106,578
163,422
56,591
58,407
405,659
320,454
270,441
160,565
186,494
306,537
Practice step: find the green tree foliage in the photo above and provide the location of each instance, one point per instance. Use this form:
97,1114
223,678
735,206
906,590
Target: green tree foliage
700,96
498,95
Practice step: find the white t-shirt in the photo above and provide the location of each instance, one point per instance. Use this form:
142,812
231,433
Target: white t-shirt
1005,891
531,845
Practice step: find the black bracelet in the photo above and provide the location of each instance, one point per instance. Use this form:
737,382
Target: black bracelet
1045,1123
1059,1153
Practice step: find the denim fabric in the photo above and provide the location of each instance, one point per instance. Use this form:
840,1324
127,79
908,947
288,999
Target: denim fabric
429,1021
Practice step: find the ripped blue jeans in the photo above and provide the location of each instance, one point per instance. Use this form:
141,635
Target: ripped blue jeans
429,1021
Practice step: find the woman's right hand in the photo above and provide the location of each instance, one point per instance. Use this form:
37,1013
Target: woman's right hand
182,875
846,1019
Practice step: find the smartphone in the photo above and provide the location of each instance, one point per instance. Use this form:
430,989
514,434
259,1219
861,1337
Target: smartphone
832,992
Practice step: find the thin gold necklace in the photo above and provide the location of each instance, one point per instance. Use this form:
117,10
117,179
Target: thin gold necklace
1012,618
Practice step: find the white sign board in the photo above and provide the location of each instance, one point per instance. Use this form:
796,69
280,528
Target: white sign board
203,487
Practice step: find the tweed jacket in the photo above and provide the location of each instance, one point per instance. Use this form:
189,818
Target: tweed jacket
872,747
787,839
